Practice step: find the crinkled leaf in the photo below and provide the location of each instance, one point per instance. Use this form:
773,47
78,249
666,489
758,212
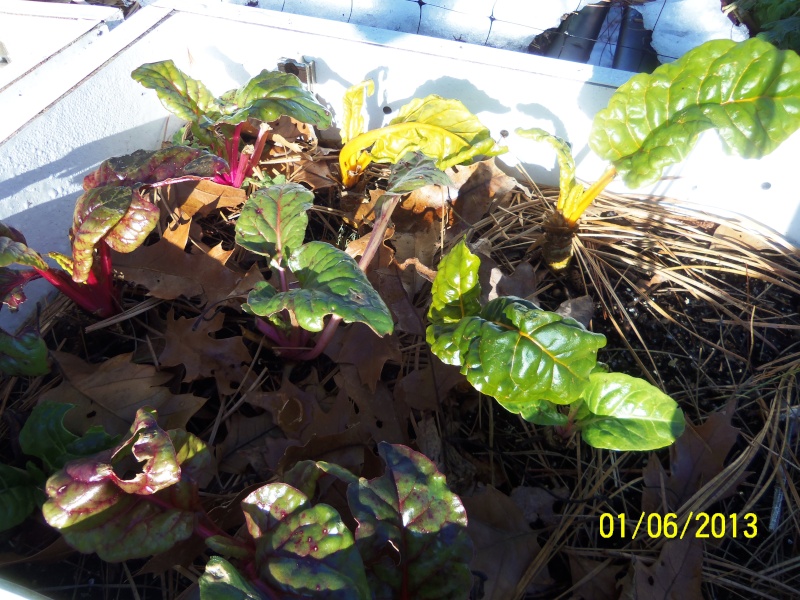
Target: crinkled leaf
183,96
570,190
12,251
353,123
455,293
271,94
132,229
151,167
413,171
273,220
440,128
23,354
331,284
748,91
221,581
12,282
13,234
628,413
102,504
303,549
511,350
17,496
45,437
409,517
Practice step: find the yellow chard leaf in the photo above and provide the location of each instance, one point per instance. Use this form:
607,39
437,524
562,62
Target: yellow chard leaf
353,123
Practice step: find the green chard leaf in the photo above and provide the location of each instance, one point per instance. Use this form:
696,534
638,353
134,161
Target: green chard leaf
13,251
18,495
748,91
509,349
221,581
331,284
183,96
628,413
23,354
159,166
45,437
413,171
270,95
273,220
409,517
303,549
130,501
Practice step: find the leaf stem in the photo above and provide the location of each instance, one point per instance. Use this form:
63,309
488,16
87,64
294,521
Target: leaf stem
589,196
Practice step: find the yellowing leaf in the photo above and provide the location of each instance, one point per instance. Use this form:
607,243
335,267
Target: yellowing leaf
353,109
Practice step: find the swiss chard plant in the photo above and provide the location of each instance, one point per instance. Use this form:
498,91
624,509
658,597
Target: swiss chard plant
749,92
140,497
440,128
542,365
221,123
114,213
50,446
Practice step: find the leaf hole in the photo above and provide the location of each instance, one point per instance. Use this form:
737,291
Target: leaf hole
387,110
91,414
650,580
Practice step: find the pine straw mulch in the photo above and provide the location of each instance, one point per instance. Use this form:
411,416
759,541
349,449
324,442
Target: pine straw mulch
706,311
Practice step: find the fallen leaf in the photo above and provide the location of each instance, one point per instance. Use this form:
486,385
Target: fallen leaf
245,434
345,449
203,197
536,503
316,173
423,209
696,457
407,317
189,343
601,578
581,309
110,393
291,407
504,543
480,186
675,575
368,352
424,388
168,273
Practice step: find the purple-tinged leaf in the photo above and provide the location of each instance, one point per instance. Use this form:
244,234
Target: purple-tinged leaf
23,354
409,517
12,282
127,502
13,234
303,549
135,225
151,167
12,251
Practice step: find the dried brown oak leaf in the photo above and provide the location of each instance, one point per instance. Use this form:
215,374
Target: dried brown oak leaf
480,186
695,458
110,393
597,579
504,543
362,348
168,273
203,197
676,574
189,343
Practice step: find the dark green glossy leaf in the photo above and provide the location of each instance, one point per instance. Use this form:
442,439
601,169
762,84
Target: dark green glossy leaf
273,220
748,91
183,96
409,517
543,412
23,354
270,95
413,171
302,549
126,502
456,291
628,413
331,284
17,496
12,283
45,437
221,581
151,167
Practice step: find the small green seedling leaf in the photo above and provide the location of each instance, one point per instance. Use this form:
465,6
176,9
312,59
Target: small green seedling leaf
183,96
440,128
126,502
331,284
45,437
270,95
302,549
23,354
273,220
151,167
221,581
456,291
628,413
748,91
18,494
409,517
